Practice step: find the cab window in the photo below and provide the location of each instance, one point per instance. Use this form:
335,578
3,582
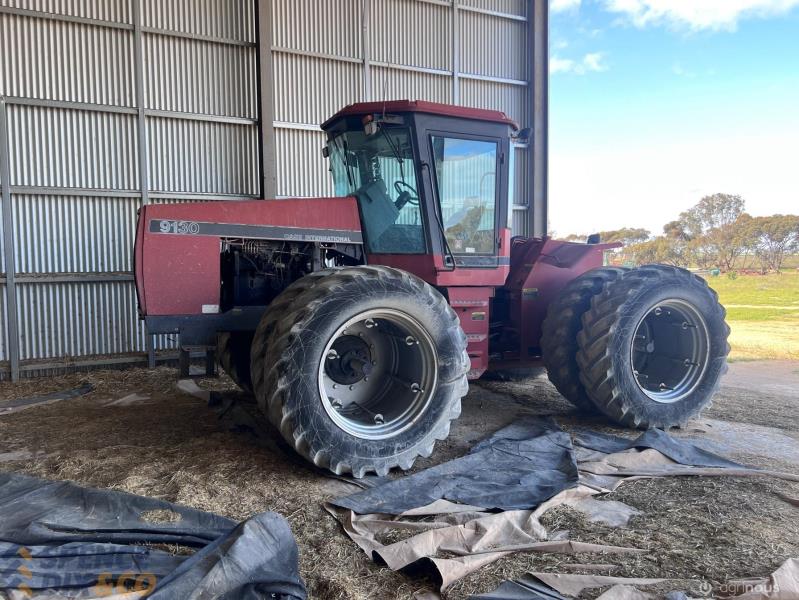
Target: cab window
380,171
467,191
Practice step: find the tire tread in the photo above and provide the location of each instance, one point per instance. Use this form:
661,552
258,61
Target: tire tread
594,340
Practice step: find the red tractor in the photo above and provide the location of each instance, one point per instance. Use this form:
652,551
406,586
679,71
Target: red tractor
357,321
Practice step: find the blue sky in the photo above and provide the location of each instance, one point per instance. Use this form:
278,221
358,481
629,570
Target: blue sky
655,103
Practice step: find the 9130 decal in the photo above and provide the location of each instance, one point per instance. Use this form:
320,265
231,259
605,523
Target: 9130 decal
178,227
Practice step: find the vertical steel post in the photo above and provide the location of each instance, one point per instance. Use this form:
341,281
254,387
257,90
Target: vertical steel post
456,58
8,245
366,49
142,145
266,99
538,47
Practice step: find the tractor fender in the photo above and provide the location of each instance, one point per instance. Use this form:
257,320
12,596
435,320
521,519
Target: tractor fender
540,269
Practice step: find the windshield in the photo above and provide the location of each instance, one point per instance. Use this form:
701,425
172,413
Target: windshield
380,170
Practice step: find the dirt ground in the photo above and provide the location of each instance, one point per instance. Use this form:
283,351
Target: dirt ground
168,444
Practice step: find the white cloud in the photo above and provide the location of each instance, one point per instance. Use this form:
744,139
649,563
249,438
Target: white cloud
591,62
563,5
697,14
560,65
681,71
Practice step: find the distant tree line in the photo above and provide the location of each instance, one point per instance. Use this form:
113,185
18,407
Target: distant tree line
626,235
716,232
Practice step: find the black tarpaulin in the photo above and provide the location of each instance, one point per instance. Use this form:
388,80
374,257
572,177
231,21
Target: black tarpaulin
57,537
23,403
518,467
255,561
680,451
37,511
526,587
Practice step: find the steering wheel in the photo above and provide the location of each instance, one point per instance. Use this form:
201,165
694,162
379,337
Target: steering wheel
412,194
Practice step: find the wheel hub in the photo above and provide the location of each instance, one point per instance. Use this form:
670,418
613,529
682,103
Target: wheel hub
670,351
349,360
378,373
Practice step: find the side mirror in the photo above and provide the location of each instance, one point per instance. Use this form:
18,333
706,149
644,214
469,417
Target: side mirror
523,136
325,151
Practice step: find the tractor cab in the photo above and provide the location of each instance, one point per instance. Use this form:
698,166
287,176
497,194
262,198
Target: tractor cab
431,182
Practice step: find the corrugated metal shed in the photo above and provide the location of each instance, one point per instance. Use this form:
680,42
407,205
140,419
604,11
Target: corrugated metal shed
329,53
106,105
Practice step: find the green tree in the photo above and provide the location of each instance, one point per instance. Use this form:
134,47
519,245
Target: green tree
729,243
625,235
676,230
659,250
715,229
773,238
712,212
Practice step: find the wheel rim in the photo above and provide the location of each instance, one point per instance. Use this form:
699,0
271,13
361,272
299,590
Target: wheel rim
670,351
377,374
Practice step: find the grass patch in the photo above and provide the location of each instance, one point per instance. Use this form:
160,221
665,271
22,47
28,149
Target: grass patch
758,290
754,313
760,340
763,313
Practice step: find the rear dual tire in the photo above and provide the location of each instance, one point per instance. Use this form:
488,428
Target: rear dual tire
563,323
653,347
645,347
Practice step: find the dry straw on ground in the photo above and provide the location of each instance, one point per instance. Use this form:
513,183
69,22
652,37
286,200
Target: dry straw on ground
172,446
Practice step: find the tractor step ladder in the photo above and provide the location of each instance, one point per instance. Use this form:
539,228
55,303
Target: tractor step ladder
185,354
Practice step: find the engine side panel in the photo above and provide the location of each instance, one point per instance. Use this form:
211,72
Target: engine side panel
178,245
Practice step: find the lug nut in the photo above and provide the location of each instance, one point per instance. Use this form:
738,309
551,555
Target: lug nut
658,311
335,402
370,323
410,340
378,419
332,355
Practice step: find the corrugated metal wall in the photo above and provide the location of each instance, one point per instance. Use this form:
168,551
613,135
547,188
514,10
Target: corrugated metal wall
106,105
109,104
329,53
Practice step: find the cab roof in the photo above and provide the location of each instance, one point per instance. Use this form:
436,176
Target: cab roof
421,106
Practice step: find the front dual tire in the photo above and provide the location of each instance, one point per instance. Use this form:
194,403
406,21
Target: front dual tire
361,369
